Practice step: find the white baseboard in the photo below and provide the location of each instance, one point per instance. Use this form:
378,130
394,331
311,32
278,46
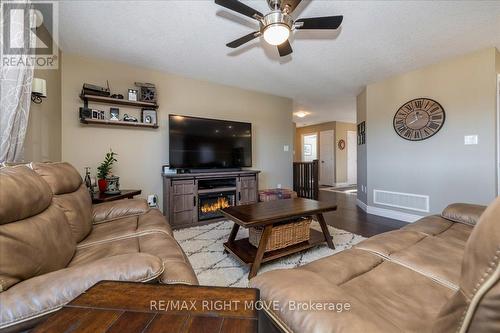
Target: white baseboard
361,205
389,213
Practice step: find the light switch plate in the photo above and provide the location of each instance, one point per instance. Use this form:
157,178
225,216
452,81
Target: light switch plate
286,148
471,139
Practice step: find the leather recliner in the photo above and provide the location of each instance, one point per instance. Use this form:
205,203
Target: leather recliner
439,274
54,244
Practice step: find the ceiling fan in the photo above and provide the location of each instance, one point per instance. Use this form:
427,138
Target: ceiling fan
277,25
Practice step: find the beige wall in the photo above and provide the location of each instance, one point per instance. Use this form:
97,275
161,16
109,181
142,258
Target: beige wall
340,130
441,166
142,152
43,135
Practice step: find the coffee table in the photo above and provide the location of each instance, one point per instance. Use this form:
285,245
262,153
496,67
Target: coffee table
120,307
267,214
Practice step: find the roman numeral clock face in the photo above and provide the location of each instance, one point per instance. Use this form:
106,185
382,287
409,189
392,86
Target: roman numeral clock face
419,119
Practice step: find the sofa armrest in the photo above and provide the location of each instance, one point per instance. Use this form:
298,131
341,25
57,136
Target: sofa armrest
463,213
113,210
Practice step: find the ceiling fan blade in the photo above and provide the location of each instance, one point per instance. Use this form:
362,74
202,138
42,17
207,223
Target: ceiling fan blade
239,7
327,22
292,4
285,49
245,39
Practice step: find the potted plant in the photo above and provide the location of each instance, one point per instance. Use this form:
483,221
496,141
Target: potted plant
104,169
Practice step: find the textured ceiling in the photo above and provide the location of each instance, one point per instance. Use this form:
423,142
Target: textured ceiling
327,70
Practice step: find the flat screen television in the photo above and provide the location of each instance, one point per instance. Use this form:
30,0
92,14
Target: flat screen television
200,143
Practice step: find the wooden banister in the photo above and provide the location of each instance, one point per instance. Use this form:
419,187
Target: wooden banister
305,179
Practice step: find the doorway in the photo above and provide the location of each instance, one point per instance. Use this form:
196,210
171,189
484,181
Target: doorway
352,157
309,147
327,158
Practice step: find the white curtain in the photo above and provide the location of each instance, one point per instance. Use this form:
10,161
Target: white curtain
15,96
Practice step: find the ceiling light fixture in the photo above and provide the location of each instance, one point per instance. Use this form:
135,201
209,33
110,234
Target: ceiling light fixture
301,114
276,34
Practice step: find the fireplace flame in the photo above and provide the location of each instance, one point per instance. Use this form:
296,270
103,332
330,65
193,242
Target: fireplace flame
221,202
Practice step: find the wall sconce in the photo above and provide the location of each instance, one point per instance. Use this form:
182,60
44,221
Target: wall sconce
38,90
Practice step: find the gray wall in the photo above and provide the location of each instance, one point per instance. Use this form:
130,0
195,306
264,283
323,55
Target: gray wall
362,162
442,166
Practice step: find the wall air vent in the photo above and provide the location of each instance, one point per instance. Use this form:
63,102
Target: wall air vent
416,202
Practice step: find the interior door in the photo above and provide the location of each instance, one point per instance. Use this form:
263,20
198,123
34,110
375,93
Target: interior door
326,158
352,157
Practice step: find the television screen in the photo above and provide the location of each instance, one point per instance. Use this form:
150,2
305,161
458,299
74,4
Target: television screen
201,143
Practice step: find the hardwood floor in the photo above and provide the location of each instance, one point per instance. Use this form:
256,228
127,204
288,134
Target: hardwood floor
351,218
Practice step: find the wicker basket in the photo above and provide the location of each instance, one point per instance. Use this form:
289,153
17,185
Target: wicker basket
283,235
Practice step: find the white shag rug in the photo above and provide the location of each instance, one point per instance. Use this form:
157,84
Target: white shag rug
203,247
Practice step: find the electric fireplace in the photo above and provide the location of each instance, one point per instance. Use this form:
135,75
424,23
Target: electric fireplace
210,203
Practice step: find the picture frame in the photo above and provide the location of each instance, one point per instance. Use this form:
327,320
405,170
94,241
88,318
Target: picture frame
132,95
148,116
114,114
361,133
97,114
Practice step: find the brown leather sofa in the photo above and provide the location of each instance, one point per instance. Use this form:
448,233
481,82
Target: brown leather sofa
54,244
439,274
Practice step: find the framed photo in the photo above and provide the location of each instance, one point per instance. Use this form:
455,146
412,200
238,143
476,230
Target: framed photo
132,95
114,114
361,133
149,116
97,114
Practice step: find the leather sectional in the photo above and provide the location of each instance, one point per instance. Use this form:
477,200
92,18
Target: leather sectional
54,244
439,274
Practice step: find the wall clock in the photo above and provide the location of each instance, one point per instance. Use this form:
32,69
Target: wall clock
419,119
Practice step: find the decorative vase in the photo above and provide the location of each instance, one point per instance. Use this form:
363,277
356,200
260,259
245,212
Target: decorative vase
113,185
102,183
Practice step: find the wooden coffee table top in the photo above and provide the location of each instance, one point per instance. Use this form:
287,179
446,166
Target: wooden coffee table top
263,213
137,307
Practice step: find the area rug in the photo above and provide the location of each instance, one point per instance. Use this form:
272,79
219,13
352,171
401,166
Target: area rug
203,247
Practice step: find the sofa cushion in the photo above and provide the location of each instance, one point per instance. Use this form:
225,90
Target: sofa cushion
107,211
62,177
383,296
36,245
22,193
70,195
177,266
431,246
129,226
437,226
47,293
463,213
77,208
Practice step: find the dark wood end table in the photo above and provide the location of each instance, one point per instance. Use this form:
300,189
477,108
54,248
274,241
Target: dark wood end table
131,307
267,214
124,194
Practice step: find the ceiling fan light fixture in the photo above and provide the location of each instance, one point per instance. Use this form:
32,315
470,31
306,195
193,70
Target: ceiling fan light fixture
276,34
